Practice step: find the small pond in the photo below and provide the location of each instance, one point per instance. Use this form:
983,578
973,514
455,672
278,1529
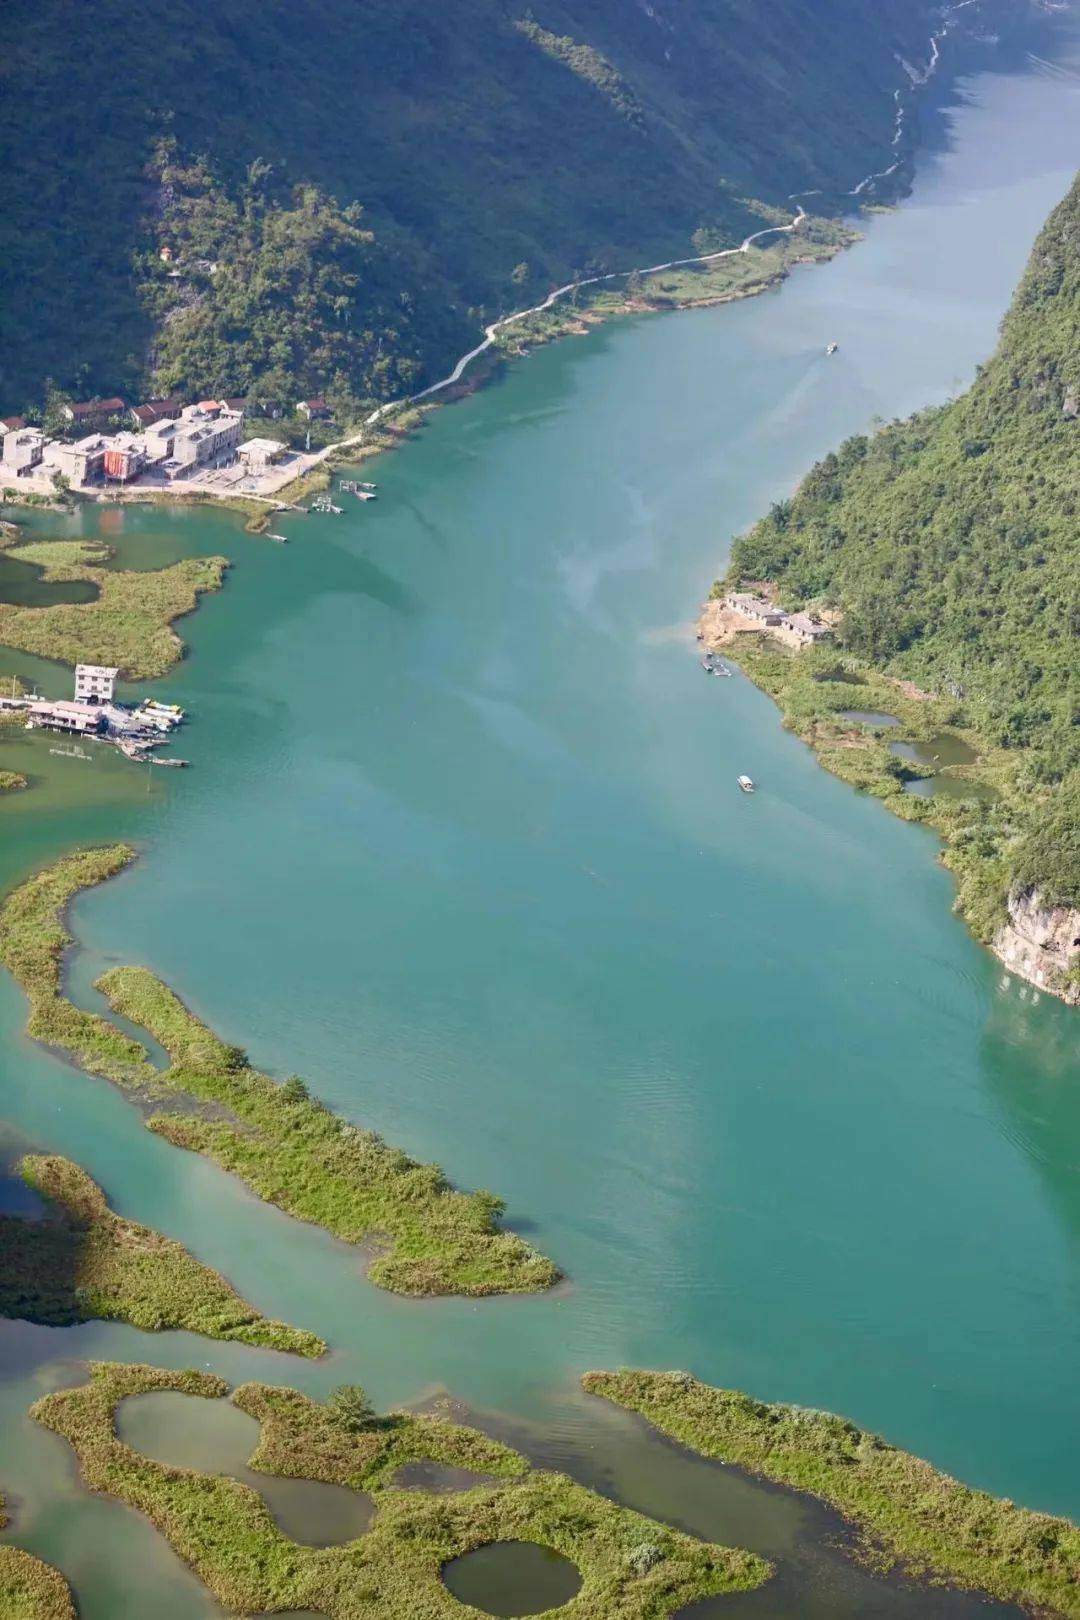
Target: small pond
943,749
438,1479
951,787
868,717
509,1578
23,584
215,1437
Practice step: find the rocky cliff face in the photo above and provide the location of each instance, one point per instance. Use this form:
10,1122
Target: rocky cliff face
1041,943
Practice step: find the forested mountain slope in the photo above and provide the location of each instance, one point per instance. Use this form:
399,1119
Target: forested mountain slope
343,187
952,544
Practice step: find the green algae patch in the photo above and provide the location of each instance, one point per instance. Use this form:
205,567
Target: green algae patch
29,1589
908,1511
86,1262
129,622
632,1568
284,1144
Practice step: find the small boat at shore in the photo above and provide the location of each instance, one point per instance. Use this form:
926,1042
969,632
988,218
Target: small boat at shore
712,665
365,494
746,783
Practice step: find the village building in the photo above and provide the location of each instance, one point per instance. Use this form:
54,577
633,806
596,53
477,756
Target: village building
313,409
155,410
11,424
205,434
83,719
760,613
21,449
93,412
803,630
82,462
95,683
259,454
125,457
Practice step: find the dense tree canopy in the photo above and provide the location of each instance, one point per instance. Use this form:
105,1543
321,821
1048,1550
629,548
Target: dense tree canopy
476,138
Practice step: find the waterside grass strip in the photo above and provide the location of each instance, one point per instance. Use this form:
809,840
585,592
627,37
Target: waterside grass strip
87,1262
129,625
631,1567
907,1510
287,1147
29,1589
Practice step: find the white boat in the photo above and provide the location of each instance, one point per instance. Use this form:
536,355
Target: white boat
362,485
746,783
280,538
365,494
832,348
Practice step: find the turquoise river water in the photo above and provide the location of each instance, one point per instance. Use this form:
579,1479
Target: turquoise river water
462,845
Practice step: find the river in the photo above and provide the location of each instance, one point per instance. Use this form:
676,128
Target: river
462,845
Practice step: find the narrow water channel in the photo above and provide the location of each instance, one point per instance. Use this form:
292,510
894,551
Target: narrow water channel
462,845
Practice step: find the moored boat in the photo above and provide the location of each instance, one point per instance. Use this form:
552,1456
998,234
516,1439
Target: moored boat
746,783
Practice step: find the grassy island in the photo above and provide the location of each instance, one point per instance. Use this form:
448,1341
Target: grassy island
29,1589
286,1146
907,1510
84,1261
129,624
632,1568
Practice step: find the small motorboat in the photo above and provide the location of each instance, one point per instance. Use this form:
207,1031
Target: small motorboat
832,348
365,494
362,485
746,783
280,538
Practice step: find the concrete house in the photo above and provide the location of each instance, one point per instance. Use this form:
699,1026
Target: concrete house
22,450
759,613
95,683
92,412
82,462
803,630
259,454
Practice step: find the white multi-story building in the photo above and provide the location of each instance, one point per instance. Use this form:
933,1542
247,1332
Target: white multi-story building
22,450
95,683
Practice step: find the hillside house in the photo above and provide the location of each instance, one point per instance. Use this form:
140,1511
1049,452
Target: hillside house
155,410
316,410
759,613
802,630
93,412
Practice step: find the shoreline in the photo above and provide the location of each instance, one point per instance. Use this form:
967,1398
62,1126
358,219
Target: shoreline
812,707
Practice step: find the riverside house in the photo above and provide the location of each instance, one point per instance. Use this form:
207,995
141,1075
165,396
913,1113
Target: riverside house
794,629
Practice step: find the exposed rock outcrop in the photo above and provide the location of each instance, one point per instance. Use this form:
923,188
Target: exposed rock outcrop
1041,943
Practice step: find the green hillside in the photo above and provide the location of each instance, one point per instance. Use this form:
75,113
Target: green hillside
348,187
952,544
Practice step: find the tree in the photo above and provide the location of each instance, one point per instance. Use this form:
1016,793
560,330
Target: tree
62,485
294,1090
351,1409
520,273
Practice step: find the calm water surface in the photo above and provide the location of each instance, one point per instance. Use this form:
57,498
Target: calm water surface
462,845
